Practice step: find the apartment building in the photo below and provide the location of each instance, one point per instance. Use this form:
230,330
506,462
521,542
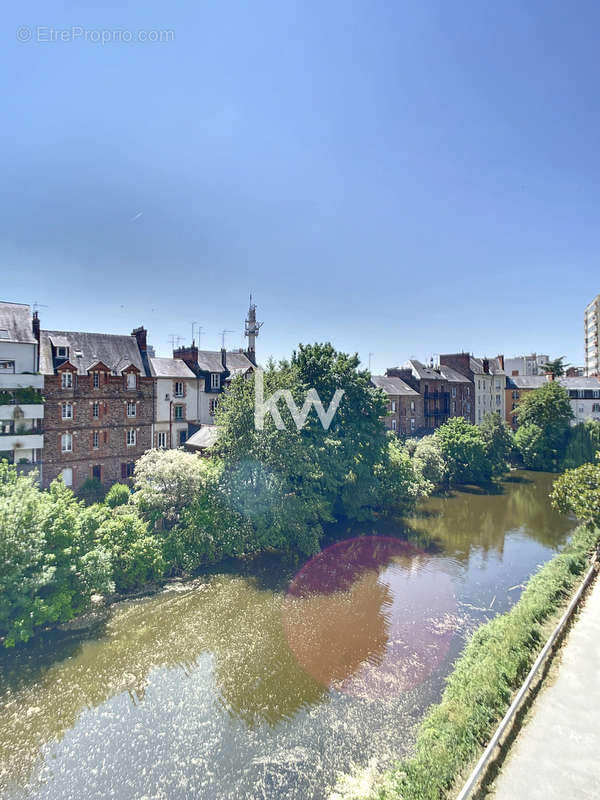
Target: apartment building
99,405
488,378
405,405
590,332
21,397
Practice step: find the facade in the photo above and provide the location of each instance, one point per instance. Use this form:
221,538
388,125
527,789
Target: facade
590,332
526,365
584,395
21,397
99,405
176,401
489,382
433,389
405,405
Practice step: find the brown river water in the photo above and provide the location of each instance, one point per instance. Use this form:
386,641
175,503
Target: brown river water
268,678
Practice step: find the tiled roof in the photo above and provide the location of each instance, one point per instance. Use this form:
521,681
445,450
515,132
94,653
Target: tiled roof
392,386
85,349
15,319
170,368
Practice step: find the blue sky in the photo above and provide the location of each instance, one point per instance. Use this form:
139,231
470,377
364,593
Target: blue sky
399,178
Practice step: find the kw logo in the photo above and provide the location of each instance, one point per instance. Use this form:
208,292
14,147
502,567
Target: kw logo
263,407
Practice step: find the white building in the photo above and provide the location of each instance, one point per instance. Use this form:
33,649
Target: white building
590,327
21,399
526,365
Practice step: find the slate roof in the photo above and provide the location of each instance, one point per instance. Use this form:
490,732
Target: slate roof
452,375
392,386
204,438
170,368
114,350
15,318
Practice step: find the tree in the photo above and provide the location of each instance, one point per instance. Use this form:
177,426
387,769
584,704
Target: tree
549,410
464,451
578,491
498,441
556,367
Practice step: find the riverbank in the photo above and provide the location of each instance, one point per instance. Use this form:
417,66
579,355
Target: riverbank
480,688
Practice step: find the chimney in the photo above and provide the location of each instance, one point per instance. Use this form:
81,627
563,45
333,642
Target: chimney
140,335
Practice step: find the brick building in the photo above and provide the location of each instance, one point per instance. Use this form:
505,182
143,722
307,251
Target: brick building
99,405
405,405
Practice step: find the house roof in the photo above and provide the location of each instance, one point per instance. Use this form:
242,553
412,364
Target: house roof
452,375
392,386
170,368
86,349
204,438
15,319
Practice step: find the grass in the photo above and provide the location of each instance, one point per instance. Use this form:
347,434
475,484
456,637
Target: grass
480,689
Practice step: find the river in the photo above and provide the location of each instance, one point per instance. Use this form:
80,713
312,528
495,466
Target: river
267,678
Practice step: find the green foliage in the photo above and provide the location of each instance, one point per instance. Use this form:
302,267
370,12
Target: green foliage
499,444
91,491
547,412
578,491
48,565
582,445
464,450
119,494
481,687
428,459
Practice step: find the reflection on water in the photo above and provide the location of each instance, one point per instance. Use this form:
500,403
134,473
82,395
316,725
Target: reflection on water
233,687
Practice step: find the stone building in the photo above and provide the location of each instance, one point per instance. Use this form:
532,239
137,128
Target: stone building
405,405
99,405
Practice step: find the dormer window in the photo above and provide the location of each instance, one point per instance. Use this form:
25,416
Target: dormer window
67,380
62,352
131,380
215,380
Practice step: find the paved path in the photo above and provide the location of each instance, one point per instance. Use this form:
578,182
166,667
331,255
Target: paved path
557,753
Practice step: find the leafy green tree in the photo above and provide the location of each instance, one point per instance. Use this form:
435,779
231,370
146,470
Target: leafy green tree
464,450
429,460
119,494
549,412
556,367
499,443
578,491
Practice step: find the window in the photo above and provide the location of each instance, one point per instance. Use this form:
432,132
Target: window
178,389
62,352
161,439
67,411
95,440
66,443
130,437
393,405
131,408
67,380
96,380
96,410
178,412
127,469
131,380
215,380
182,437
393,424
213,407
7,366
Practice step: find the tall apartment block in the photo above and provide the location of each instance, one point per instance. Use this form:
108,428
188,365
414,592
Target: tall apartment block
590,324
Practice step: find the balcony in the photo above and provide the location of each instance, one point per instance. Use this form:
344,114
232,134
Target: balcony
20,380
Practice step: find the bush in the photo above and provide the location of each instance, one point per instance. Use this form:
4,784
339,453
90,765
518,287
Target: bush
118,495
92,491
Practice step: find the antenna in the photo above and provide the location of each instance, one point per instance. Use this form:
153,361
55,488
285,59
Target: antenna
223,334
